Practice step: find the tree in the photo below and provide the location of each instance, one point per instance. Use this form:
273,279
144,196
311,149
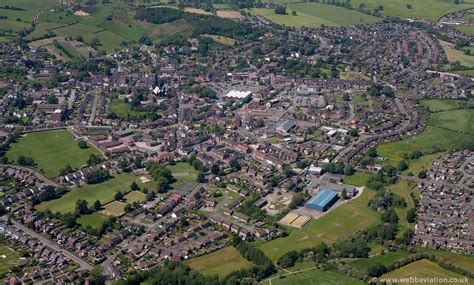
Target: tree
348,170
134,186
372,152
82,207
128,208
293,13
201,178
97,273
402,165
118,196
422,174
97,205
287,170
411,215
376,270
215,169
82,144
280,10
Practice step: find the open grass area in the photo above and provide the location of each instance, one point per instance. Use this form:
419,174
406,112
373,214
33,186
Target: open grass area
468,30
221,262
315,277
115,208
357,179
437,105
461,121
8,259
51,151
184,173
463,261
339,224
362,264
422,268
135,196
221,39
298,21
424,162
95,220
455,55
104,192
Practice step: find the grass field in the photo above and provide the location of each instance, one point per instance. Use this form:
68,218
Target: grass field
184,173
437,105
468,30
115,208
220,39
95,220
122,109
341,223
455,55
424,162
465,262
104,192
51,150
461,121
10,260
362,264
315,277
135,196
357,179
422,268
221,262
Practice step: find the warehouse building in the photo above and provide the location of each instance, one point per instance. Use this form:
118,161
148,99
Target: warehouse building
323,200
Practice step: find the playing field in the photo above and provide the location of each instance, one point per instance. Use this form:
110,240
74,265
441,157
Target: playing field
362,264
114,208
95,220
339,224
314,277
8,259
135,196
221,262
104,192
422,268
51,150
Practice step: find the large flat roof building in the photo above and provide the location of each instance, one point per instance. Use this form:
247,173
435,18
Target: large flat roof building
323,200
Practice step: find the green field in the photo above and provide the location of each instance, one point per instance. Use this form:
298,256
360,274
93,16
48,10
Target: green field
468,30
221,262
122,109
115,208
455,55
315,15
422,268
357,179
339,224
362,264
446,130
94,220
463,261
221,39
104,192
135,196
424,162
184,173
315,277
51,150
10,260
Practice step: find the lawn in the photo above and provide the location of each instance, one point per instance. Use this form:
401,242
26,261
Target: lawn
95,220
422,268
122,109
357,179
114,208
437,105
104,192
362,264
135,196
8,259
315,277
339,224
221,262
51,151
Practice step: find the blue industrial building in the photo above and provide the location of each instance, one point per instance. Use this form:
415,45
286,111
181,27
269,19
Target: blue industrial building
323,200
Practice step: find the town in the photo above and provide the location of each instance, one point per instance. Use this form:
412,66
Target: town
245,151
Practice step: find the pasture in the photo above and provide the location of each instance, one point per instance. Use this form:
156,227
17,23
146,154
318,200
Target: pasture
221,262
422,268
104,192
51,151
94,220
8,259
339,224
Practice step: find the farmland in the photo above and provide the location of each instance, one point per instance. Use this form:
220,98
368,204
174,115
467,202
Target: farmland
455,55
51,151
221,262
422,268
8,259
104,192
330,228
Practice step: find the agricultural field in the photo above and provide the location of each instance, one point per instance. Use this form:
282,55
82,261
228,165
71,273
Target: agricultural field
94,220
51,151
8,259
362,264
18,20
424,162
298,21
339,224
221,262
422,268
104,192
314,277
135,196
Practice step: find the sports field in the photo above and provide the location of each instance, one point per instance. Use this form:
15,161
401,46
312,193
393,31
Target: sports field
51,150
422,268
221,262
8,259
135,196
104,192
339,224
95,220
115,208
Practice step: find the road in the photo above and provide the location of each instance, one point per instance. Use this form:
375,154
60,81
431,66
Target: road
36,173
82,263
94,109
